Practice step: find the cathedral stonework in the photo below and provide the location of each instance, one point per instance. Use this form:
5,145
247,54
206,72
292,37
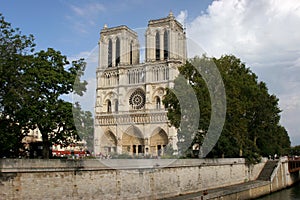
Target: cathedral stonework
129,115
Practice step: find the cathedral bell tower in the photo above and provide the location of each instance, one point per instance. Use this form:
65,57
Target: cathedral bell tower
165,40
118,46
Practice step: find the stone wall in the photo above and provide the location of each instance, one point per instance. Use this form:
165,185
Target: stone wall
118,179
281,178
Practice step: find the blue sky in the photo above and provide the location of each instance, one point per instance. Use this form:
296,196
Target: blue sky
73,26
264,34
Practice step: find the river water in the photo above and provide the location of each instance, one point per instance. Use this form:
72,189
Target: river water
292,193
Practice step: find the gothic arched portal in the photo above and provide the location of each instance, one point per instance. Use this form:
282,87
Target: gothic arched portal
158,141
133,141
109,142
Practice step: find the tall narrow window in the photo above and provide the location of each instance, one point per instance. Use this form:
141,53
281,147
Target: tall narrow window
157,103
157,47
136,76
118,79
131,77
167,74
108,80
109,53
108,106
116,105
142,76
166,46
128,73
130,55
133,74
117,51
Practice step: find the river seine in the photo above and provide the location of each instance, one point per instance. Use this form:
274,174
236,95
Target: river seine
292,193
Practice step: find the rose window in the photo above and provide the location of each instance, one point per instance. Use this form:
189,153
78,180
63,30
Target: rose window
137,99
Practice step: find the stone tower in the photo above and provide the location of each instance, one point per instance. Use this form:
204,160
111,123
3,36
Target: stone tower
129,115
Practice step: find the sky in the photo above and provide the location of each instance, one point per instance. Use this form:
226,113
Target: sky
265,34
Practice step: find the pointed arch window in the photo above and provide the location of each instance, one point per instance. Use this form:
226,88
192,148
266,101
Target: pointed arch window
108,80
158,103
108,106
109,53
157,46
117,51
156,74
130,54
166,45
143,74
116,105
167,73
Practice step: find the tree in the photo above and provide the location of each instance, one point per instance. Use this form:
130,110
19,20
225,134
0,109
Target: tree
84,123
14,50
252,114
295,151
198,94
31,88
47,79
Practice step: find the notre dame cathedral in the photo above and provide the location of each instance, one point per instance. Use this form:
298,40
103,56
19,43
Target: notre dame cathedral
129,115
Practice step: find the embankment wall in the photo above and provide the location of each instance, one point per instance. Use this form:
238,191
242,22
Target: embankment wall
280,179
119,179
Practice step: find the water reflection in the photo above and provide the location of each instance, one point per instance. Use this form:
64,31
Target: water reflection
292,193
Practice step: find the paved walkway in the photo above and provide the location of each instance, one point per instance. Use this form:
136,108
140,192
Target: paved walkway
218,192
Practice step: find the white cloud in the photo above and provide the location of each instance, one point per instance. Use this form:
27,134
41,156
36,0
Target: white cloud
87,101
290,116
83,17
91,57
265,35
249,28
182,16
87,9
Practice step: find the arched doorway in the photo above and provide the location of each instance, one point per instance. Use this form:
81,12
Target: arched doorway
133,141
158,141
109,143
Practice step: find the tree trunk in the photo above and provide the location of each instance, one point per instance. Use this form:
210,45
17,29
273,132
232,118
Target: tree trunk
46,146
254,141
241,152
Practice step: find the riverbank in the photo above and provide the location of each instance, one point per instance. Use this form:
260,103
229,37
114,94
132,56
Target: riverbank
141,178
273,177
248,190
290,193
119,179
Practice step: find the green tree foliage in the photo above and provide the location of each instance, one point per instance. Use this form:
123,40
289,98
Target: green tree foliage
186,123
31,88
295,151
47,80
84,123
252,124
14,50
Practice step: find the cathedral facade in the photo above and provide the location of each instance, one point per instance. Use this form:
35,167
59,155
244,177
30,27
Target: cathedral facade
129,114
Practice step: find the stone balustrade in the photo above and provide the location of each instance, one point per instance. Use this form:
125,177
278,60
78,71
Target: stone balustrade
129,118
